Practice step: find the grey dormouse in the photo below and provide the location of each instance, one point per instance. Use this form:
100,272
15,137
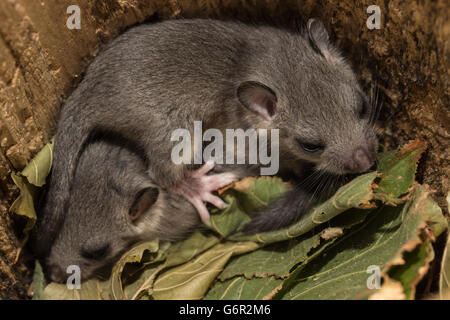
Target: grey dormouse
158,77
113,204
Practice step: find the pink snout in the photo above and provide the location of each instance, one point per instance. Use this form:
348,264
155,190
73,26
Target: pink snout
361,160
56,273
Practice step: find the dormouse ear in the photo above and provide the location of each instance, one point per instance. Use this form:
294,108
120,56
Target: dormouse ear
318,36
143,201
258,98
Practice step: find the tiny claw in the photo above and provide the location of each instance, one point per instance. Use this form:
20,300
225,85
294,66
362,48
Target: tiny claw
214,200
202,210
208,166
206,220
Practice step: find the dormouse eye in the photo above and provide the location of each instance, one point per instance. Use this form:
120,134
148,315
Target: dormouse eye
311,148
95,252
363,108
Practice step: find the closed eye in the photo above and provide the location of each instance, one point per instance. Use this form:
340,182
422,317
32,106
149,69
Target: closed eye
311,147
97,253
364,108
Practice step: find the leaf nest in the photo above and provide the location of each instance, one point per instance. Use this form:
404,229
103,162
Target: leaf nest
371,240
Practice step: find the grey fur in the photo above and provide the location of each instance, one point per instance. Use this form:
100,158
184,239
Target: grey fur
155,78
97,226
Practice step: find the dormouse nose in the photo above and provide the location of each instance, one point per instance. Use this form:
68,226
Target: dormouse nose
56,273
360,161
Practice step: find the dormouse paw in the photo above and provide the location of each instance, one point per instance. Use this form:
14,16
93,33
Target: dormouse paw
198,187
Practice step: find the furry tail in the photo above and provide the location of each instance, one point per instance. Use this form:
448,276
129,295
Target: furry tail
283,212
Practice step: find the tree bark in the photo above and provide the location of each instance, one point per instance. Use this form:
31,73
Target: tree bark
41,60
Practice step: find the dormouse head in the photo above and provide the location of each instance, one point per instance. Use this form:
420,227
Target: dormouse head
110,195
311,94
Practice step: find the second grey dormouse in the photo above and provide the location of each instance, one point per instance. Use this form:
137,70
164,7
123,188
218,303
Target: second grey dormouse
155,78
113,205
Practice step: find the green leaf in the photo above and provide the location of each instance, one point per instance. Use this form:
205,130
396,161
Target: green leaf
342,271
190,248
131,263
413,269
398,170
24,204
192,279
39,167
244,198
240,288
444,280
28,181
93,289
255,288
279,258
39,282
139,284
355,194
273,260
